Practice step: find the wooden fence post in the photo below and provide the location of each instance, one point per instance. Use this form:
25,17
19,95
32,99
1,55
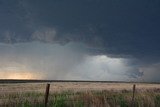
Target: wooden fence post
133,99
46,95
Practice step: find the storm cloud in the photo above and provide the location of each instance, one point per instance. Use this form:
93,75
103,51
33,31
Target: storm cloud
54,61
126,30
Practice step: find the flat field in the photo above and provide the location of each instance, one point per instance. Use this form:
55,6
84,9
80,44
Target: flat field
80,94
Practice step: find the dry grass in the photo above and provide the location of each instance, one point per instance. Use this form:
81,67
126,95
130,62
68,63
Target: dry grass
75,86
79,94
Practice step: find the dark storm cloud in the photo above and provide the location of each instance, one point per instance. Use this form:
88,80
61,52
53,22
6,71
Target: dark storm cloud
121,28
13,22
124,29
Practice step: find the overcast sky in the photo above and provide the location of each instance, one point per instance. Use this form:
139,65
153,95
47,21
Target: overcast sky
112,40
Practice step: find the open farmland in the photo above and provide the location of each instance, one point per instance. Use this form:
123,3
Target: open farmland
80,94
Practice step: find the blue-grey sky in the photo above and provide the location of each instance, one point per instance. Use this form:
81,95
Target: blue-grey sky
80,39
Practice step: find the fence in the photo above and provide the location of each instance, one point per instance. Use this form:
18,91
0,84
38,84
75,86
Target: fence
122,95
48,88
